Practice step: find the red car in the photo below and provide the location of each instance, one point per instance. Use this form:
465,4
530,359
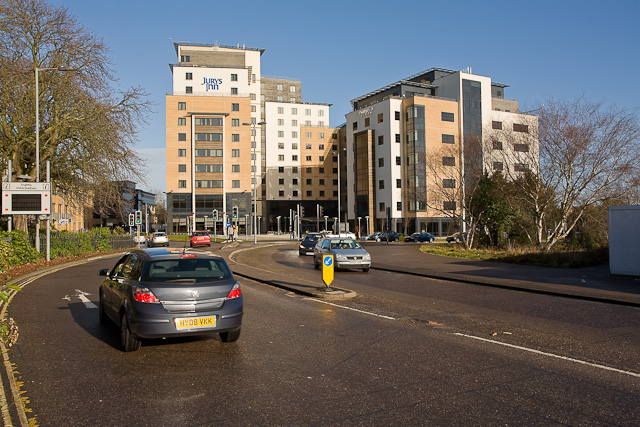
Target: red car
200,238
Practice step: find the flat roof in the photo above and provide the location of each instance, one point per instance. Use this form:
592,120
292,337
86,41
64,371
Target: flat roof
176,44
392,85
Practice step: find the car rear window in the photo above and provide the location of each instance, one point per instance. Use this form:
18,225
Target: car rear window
344,244
200,270
200,233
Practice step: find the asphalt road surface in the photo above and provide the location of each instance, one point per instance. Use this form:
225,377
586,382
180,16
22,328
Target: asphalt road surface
405,351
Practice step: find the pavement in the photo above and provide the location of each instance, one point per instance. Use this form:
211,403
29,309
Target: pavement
590,283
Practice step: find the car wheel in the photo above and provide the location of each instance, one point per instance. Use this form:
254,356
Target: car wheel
103,316
396,239
315,263
430,240
230,336
378,239
365,270
127,340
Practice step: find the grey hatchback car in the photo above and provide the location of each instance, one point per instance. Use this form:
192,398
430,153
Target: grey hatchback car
347,253
157,293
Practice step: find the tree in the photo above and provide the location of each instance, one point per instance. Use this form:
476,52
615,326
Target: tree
86,132
587,155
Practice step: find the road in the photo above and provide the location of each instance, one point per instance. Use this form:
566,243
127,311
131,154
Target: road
408,351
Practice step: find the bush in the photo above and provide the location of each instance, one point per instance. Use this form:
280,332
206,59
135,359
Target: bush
19,250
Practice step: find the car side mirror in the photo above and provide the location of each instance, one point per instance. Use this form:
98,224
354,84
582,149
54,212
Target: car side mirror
103,272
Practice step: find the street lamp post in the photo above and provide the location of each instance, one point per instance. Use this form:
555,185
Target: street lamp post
367,218
359,231
37,71
325,222
278,218
255,181
337,153
246,225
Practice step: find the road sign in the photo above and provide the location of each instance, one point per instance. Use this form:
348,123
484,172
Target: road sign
26,198
327,269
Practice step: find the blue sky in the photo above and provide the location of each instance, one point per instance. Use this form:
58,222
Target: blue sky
343,49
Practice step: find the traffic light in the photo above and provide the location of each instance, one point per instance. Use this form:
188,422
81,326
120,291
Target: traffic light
301,211
138,217
321,211
132,219
215,214
235,212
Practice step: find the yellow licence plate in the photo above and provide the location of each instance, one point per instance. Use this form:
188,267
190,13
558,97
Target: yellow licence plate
195,322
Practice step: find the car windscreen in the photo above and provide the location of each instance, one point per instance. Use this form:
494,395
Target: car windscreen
200,270
344,244
312,238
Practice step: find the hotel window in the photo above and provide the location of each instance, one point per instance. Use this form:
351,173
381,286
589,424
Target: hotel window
294,158
321,170
182,121
235,137
294,111
398,183
397,137
182,168
321,181
448,139
321,158
520,128
280,181
188,76
307,135
234,91
235,153
381,140
235,122
520,167
321,135
208,137
309,181
367,122
355,125
209,121
235,183
447,117
397,115
321,193
295,193
307,146
321,113
292,88
252,96
294,123
335,193
398,206
382,207
380,117
381,184
281,157
309,193
253,78
496,125
235,168
294,181
189,89
307,112
321,146
449,206
281,193
498,166
309,170
182,105
449,183
253,108
280,134
280,169
182,137
279,86
292,100
334,136
522,148
294,169
308,158
182,183
448,161
294,146
307,122
263,98
182,152
185,58
381,162
294,134
497,145
280,145
320,124
398,160
280,122
234,77
280,98
235,107
280,110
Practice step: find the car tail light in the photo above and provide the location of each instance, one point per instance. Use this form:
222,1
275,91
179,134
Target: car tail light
189,256
235,292
144,294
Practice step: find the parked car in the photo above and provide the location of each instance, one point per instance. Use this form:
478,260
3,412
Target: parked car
154,293
308,243
420,237
347,253
200,238
139,239
385,236
158,239
455,237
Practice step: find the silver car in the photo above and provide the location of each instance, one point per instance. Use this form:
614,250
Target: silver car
158,238
347,253
157,293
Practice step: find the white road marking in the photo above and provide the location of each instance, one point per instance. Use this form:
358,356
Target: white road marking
352,309
531,350
83,297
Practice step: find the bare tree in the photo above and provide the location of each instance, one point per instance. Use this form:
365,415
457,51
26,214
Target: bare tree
587,154
86,131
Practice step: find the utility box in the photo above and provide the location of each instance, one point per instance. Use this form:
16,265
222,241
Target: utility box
624,240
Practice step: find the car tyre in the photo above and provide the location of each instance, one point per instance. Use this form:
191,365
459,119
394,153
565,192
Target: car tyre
365,270
396,240
104,320
315,263
378,239
230,336
127,340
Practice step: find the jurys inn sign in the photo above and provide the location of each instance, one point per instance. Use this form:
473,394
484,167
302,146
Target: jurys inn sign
211,84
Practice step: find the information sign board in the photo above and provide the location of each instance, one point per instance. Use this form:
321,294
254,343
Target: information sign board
26,198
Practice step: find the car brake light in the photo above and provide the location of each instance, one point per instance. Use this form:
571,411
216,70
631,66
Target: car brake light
235,292
189,256
144,294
